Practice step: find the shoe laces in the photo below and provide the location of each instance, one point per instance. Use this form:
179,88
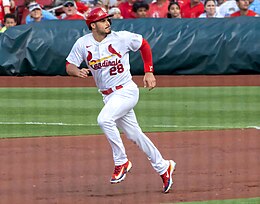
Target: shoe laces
117,169
165,178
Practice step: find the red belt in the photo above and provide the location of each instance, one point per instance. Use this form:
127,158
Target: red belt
109,91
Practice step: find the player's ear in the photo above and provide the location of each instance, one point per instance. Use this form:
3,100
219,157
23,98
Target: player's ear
92,25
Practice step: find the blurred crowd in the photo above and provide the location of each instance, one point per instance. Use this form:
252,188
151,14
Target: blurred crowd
15,12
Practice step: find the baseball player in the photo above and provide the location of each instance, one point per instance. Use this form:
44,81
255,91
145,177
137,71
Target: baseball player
106,54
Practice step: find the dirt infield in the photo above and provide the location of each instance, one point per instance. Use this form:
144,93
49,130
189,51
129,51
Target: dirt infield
162,81
64,170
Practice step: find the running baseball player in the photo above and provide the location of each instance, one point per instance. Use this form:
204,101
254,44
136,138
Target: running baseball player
106,54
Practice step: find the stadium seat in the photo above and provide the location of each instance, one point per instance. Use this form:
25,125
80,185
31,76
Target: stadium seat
19,13
45,3
19,2
24,14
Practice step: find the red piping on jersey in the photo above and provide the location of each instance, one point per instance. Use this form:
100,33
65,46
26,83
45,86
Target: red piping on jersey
146,54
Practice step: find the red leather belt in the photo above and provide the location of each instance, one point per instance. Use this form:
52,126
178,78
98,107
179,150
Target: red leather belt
109,91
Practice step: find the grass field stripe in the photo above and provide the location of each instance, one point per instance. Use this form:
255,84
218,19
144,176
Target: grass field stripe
153,126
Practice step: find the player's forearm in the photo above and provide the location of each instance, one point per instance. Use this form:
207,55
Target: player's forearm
72,70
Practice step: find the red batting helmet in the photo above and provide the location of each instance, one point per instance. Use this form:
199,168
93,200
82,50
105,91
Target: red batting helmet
97,14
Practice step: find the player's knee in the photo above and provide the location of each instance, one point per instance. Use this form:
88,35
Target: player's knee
104,121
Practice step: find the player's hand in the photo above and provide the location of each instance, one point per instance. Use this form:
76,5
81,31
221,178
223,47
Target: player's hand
149,81
83,73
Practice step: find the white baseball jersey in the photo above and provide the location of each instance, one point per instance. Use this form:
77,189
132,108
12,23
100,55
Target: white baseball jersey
108,60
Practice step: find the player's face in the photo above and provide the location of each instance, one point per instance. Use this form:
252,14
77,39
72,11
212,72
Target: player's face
103,26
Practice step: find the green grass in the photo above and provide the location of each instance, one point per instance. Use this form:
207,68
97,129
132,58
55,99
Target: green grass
235,201
201,108
73,111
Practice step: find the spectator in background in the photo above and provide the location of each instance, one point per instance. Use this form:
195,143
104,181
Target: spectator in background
28,2
71,12
37,14
192,9
210,10
182,2
158,9
4,9
9,21
100,3
46,14
81,7
111,4
87,2
228,7
243,6
219,2
254,5
140,9
126,9
12,6
174,10
115,12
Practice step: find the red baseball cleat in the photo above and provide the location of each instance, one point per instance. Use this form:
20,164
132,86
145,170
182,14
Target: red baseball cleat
167,177
120,172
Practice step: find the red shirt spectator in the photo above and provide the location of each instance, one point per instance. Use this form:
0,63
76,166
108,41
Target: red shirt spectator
71,12
74,17
12,6
126,9
249,13
81,7
158,9
192,9
4,9
243,9
182,2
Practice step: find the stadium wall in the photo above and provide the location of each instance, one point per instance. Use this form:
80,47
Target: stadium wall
179,46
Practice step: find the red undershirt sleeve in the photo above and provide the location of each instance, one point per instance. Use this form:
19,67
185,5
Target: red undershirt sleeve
146,54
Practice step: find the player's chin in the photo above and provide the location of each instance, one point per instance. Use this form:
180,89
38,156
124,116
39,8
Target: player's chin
108,30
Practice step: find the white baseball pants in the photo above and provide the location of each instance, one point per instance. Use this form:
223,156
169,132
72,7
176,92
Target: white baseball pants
118,112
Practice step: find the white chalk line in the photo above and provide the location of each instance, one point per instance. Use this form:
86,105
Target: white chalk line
45,123
153,126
